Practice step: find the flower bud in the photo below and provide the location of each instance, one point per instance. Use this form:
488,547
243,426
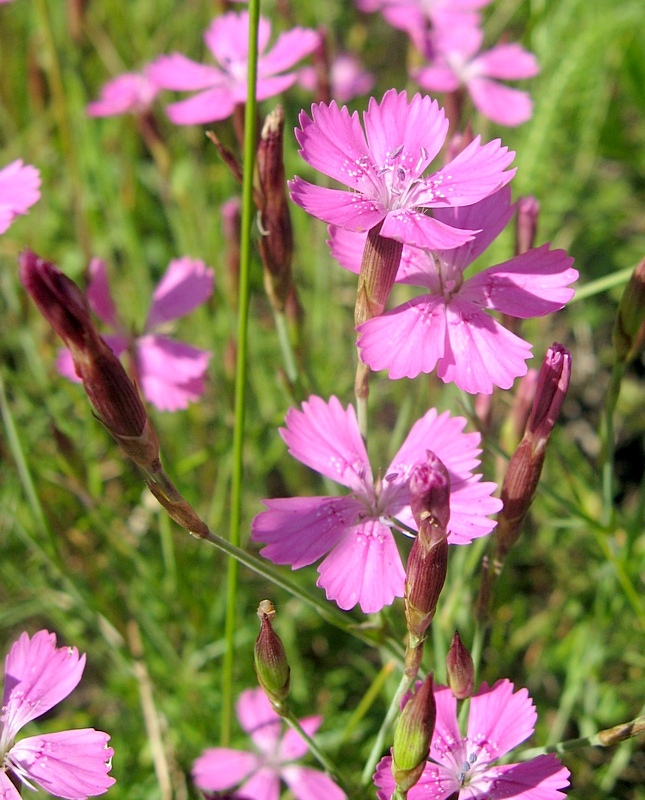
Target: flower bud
114,397
460,669
412,737
526,219
629,329
271,664
552,386
381,259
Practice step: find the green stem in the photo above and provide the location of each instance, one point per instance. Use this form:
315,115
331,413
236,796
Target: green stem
602,284
288,356
248,214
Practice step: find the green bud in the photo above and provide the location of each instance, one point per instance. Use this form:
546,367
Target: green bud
412,737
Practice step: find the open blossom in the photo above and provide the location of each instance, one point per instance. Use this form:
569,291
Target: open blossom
19,190
464,768
171,373
70,764
455,61
258,774
220,88
363,564
384,167
130,93
448,328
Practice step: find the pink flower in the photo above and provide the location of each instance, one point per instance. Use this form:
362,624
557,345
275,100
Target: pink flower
19,190
455,61
221,88
364,565
258,775
448,327
71,764
384,167
463,766
347,77
171,373
130,93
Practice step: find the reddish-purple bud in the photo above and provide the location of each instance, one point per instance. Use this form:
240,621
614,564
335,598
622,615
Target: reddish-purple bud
528,210
113,395
381,259
629,329
271,663
412,736
460,669
552,387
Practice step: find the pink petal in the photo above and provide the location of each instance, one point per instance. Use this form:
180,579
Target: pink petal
69,764
499,720
471,505
289,48
480,353
131,92
325,437
293,746
310,784
407,340
437,78
19,190
269,87
264,785
300,530
507,62
7,790
171,372
336,207
186,284
223,768
259,720
333,142
207,106
471,176
65,363
537,779
447,746
365,568
38,675
436,783
185,75
419,230
501,104
99,295
228,37
347,247
530,285
418,127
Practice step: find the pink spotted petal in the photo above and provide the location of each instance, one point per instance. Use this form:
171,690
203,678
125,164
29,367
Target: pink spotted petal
69,764
187,283
503,105
407,340
325,437
419,230
264,785
228,37
540,778
65,364
471,506
365,568
290,47
171,372
479,170
337,207
258,718
437,78
436,783
99,295
38,675
310,784
333,142
507,62
221,768
447,747
300,530
19,190
182,74
480,353
293,746
210,105
7,790
530,285
499,719
396,123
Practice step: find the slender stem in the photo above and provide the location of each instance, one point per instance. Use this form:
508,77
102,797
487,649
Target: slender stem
361,390
248,214
288,356
608,444
602,284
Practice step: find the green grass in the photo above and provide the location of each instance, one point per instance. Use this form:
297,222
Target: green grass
85,550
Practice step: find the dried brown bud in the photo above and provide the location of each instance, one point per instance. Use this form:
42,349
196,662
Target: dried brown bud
412,736
460,669
271,663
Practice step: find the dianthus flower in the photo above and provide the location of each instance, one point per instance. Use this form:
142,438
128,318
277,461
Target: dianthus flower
130,93
448,328
223,87
464,767
257,776
19,190
71,764
384,166
363,564
171,373
455,61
